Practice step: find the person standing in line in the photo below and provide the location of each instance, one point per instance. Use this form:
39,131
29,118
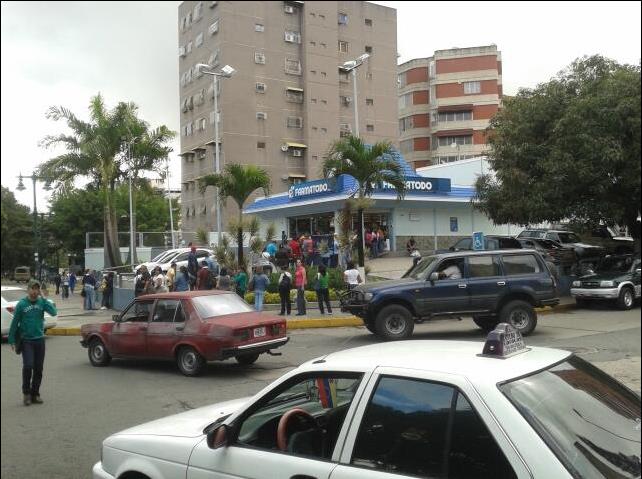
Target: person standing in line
261,282
212,264
300,280
323,291
72,282
57,281
171,275
285,285
308,250
295,250
282,258
192,267
89,287
351,276
224,282
181,282
65,285
158,281
203,279
29,324
142,280
240,280
108,290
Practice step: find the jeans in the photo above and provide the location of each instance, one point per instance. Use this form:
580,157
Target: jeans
107,298
286,303
258,300
89,296
300,300
33,360
323,296
65,291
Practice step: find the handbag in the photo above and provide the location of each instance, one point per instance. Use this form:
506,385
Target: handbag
18,344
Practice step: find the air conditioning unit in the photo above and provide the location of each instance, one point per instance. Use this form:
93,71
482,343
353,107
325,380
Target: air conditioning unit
260,87
290,37
348,100
288,9
261,115
284,147
298,153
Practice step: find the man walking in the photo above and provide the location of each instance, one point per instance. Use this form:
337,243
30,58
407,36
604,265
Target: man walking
28,329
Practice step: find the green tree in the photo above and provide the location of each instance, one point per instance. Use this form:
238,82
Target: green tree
16,237
98,149
238,182
370,166
568,149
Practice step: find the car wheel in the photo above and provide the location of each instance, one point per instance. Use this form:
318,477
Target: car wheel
370,326
189,361
247,359
98,354
486,323
394,322
520,315
582,302
626,298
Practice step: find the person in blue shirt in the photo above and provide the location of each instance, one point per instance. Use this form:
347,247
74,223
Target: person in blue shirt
261,282
271,249
28,330
181,282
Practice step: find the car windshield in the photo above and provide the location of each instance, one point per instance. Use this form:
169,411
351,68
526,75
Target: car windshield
420,271
14,295
531,234
220,305
568,237
615,265
159,257
590,421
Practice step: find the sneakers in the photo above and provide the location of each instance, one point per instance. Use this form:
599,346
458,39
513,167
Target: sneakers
26,399
36,399
103,307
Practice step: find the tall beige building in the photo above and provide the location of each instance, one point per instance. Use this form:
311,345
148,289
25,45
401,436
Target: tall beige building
288,100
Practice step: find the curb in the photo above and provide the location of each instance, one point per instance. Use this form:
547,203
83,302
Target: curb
313,323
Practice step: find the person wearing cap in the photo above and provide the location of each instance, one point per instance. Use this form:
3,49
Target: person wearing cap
28,324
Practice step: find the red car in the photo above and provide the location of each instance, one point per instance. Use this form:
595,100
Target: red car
191,327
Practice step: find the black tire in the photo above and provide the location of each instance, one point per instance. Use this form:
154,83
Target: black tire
582,302
394,322
247,359
519,314
370,326
98,354
626,299
486,323
189,361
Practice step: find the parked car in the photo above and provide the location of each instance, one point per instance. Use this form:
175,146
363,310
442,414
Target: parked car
492,286
582,250
617,278
10,297
190,327
612,241
429,409
490,242
22,273
550,250
178,255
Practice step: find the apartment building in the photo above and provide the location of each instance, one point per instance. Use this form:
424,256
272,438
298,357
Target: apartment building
446,102
288,100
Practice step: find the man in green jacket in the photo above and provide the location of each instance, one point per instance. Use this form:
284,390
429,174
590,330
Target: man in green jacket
29,323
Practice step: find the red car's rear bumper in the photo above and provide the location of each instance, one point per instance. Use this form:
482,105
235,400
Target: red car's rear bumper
254,348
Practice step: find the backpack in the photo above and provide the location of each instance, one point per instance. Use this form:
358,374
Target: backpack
286,283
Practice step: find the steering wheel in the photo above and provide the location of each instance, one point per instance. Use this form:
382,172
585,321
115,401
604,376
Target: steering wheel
281,432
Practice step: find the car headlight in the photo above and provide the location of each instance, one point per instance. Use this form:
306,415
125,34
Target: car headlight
607,284
576,284
368,296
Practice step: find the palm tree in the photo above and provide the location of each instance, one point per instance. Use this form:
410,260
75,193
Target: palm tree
237,182
97,149
370,165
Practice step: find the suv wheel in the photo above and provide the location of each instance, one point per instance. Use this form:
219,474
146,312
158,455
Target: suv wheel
486,323
189,361
394,322
626,299
370,326
520,315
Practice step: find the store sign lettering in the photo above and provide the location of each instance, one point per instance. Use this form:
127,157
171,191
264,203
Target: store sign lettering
411,185
309,189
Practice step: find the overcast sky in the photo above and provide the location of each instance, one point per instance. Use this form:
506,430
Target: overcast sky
62,53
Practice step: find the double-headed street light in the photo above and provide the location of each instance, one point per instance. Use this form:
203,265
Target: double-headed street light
351,66
226,72
47,187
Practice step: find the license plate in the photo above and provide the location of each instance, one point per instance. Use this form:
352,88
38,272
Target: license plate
258,332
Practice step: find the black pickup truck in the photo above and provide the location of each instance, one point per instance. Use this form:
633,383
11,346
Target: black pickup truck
491,286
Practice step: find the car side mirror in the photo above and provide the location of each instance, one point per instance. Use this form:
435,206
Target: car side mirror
218,437
433,277
116,318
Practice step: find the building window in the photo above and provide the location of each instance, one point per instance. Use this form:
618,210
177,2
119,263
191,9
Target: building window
321,16
345,100
324,130
368,49
294,122
294,96
345,130
293,66
259,57
368,76
369,127
458,140
405,100
295,181
368,22
213,59
189,47
288,9
199,40
213,28
325,102
260,144
431,69
401,80
445,116
344,77
198,11
324,45
343,46
292,37
258,27
406,146
260,87
324,74
313,100
313,44
181,51
202,124
471,87
433,95
343,19
261,115
405,124
369,102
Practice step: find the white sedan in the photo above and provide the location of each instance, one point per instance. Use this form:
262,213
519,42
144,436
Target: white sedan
10,297
418,409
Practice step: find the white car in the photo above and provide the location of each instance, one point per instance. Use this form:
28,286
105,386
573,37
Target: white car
418,409
165,260
10,297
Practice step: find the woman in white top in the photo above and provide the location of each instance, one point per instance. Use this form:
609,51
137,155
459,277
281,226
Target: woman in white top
160,285
351,276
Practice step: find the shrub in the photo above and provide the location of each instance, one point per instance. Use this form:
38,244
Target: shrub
274,298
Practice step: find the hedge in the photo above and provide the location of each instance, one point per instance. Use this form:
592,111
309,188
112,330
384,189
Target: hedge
335,280
274,298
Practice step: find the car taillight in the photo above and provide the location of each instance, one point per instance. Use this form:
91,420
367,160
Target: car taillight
277,329
11,309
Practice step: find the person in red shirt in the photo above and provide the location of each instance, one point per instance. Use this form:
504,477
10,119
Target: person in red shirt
295,249
300,280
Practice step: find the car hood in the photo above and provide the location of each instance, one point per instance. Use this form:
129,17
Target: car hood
606,276
187,424
380,286
583,245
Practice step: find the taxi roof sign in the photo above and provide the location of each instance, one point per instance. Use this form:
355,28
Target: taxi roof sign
503,342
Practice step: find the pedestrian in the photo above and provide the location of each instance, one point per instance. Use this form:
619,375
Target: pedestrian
204,277
181,282
411,245
285,285
192,267
212,264
224,282
240,281
57,281
295,250
72,282
322,289
159,284
282,258
261,282
271,248
171,275
351,276
308,250
300,280
141,280
27,337
108,290
65,285
284,238
89,289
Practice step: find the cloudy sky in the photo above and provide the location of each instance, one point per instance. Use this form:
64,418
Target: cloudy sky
62,53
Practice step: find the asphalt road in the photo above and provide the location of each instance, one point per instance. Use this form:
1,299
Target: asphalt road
83,404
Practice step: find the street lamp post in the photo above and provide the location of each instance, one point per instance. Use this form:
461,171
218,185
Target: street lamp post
227,71
21,187
351,66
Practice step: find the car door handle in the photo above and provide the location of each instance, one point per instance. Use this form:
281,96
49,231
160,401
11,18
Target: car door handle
180,327
302,476
462,286
501,283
